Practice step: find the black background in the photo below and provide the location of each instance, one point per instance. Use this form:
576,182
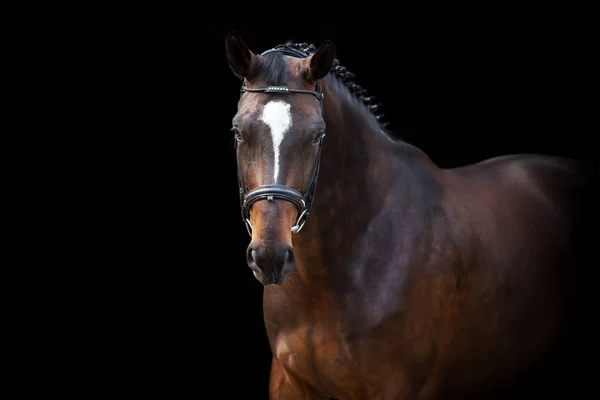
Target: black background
186,312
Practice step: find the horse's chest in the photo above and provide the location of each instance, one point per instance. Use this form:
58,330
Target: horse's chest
313,352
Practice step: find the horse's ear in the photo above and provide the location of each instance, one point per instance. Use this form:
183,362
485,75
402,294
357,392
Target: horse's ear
239,56
321,61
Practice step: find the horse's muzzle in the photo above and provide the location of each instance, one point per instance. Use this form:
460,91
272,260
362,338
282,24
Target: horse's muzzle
271,264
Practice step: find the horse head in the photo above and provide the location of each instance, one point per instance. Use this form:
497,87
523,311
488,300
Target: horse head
279,131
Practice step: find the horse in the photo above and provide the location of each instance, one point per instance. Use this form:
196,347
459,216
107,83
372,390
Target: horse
386,276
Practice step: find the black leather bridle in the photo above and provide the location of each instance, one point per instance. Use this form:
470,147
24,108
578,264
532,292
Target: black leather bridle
302,201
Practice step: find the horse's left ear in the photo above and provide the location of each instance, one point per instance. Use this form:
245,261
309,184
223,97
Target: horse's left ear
321,61
239,56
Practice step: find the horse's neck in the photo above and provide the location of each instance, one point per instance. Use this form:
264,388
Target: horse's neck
361,169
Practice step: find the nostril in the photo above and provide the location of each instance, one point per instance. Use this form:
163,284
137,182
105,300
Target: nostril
289,261
251,258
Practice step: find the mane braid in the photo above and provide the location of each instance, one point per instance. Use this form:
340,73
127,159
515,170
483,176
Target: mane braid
348,79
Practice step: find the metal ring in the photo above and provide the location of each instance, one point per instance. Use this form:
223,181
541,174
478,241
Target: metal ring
296,228
248,226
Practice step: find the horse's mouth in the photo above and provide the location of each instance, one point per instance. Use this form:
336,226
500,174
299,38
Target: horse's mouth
270,279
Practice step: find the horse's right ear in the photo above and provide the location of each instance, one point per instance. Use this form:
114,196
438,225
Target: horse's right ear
321,61
239,56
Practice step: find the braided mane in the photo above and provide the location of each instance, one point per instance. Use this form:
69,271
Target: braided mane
348,79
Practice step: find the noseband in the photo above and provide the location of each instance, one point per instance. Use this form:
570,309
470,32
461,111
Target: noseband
302,201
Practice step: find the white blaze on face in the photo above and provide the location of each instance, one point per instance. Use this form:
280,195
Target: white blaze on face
276,114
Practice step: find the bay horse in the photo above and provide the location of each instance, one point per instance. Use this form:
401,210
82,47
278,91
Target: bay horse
386,276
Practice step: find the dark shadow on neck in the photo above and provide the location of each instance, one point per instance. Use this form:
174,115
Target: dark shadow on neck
364,173
354,174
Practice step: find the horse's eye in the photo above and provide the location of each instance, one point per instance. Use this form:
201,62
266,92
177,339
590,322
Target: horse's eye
236,134
318,137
